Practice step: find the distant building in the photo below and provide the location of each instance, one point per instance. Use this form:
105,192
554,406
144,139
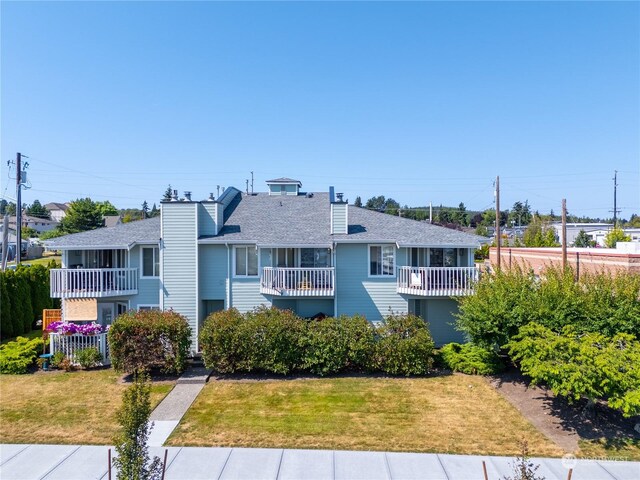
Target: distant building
38,224
573,229
626,257
57,210
111,220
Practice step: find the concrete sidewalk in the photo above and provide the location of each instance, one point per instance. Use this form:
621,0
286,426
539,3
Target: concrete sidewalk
168,413
69,462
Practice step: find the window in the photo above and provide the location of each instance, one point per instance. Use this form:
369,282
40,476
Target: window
315,257
246,262
142,308
150,262
382,260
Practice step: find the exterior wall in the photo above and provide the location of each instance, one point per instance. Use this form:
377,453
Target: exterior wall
212,272
339,220
148,288
179,261
439,313
276,189
306,307
207,217
357,293
580,259
245,294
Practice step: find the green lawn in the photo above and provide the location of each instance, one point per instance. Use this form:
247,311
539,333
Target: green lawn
40,261
68,408
455,414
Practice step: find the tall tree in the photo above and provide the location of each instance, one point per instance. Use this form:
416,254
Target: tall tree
520,213
10,209
106,208
83,214
583,240
145,209
460,216
36,209
154,211
358,202
167,193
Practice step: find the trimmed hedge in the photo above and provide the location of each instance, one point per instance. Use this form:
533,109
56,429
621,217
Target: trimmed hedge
24,293
144,340
470,359
16,357
277,341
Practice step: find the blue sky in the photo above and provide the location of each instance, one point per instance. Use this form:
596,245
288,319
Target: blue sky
419,101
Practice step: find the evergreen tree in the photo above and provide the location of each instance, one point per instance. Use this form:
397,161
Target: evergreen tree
23,290
83,214
145,209
358,202
6,323
37,210
154,211
168,193
10,209
583,241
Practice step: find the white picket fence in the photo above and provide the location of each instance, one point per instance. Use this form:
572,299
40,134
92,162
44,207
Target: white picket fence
70,344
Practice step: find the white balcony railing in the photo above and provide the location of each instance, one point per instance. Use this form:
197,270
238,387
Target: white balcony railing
93,282
437,281
70,344
298,282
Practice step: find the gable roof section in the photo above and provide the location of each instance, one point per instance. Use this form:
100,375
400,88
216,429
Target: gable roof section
56,206
269,220
284,180
124,235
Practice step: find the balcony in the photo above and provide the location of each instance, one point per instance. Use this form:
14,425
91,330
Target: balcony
93,282
437,281
297,282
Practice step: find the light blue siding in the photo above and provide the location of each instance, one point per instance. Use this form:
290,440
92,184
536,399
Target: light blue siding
148,288
180,260
339,218
207,215
357,293
289,189
245,294
212,272
440,315
311,307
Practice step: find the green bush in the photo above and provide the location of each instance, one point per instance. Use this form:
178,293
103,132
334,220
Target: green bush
511,298
57,359
88,357
221,342
404,346
470,359
140,341
332,345
576,365
16,357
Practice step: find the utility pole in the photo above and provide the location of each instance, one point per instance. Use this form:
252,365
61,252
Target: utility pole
18,207
615,198
564,234
498,221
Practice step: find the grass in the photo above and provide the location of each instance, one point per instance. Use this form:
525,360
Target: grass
612,449
40,261
454,414
69,408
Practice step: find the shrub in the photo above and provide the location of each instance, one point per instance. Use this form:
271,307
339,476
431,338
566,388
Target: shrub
133,460
470,359
221,342
404,346
88,357
140,341
576,365
16,357
57,359
332,345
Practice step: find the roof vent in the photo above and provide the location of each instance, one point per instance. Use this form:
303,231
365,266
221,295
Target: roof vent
187,196
211,198
309,195
340,195
174,197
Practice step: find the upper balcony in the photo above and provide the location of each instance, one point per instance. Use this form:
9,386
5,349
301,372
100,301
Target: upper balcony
437,281
298,282
93,282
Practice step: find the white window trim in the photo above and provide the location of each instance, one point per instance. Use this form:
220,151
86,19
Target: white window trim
142,275
235,275
147,306
395,265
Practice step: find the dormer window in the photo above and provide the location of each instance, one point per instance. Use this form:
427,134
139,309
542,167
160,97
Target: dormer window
284,186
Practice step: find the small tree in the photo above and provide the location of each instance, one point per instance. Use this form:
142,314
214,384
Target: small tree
583,240
523,467
131,444
167,193
614,236
37,210
358,202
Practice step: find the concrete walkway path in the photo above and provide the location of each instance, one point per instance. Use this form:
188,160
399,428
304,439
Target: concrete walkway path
71,462
168,413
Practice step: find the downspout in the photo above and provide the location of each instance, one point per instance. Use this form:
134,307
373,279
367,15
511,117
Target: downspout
335,281
228,276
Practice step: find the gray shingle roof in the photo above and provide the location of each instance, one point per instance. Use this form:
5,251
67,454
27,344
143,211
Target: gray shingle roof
299,220
284,180
119,236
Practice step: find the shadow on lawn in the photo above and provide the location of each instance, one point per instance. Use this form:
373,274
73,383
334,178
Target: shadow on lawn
259,376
